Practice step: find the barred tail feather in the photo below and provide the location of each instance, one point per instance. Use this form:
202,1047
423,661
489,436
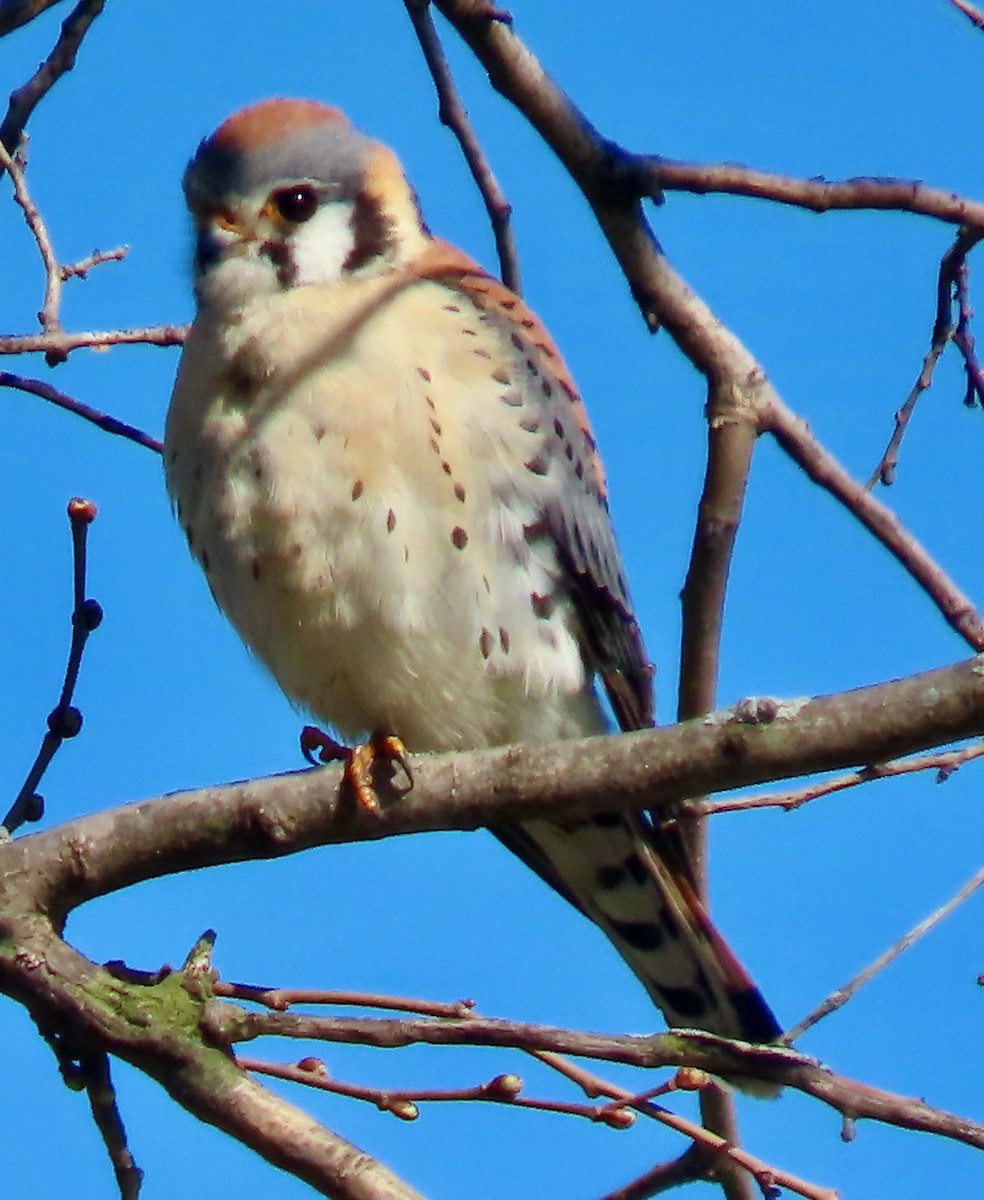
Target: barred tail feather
609,866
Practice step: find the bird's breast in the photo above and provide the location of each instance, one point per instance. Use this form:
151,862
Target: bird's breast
348,480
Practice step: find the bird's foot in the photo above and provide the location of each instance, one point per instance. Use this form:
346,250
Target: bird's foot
317,747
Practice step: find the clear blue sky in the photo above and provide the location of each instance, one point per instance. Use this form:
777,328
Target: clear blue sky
838,309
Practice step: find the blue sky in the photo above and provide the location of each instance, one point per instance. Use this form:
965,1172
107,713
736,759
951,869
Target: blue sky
837,308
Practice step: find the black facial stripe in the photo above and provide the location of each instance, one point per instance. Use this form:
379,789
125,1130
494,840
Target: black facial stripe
372,232
279,254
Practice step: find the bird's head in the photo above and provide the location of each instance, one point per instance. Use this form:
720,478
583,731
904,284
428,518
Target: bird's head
287,193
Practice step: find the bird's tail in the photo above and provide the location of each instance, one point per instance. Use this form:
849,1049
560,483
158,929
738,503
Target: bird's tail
616,869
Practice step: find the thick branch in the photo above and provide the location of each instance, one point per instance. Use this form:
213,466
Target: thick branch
760,740
157,1029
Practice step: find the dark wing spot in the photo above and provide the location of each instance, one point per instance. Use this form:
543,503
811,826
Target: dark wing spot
445,465
543,606
424,373
501,375
670,923
513,399
357,489
636,868
538,465
609,877
459,537
534,370
685,1002
758,1023
504,639
558,427
481,353
318,430
459,492
517,341
530,424
451,308
485,643
606,820
390,521
435,447
641,935
547,387
436,426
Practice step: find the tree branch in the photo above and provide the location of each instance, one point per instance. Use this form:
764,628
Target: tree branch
24,100
755,741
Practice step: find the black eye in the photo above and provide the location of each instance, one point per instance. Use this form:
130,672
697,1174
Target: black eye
297,203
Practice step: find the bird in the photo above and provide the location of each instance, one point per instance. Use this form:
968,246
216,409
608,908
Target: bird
383,466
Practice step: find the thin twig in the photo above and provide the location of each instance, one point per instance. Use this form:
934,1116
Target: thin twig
943,330
15,13
841,996
81,268
685,1168
944,764
403,1102
25,99
48,316
280,999
94,1070
794,436
706,1139
963,337
61,343
36,387
452,114
975,15
64,720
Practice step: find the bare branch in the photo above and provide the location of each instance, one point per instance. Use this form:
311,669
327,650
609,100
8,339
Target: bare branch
604,173
36,387
48,316
24,100
841,996
15,13
102,1100
796,439
652,173
101,852
60,343
280,999
64,720
974,14
403,1102
452,113
944,764
225,1025
81,268
951,266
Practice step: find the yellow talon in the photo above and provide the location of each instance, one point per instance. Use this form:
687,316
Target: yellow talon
359,760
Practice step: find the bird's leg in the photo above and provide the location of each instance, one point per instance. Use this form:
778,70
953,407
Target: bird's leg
317,747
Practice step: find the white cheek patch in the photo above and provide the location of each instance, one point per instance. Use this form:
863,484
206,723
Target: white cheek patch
321,246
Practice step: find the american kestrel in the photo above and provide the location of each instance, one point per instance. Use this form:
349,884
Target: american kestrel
384,468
